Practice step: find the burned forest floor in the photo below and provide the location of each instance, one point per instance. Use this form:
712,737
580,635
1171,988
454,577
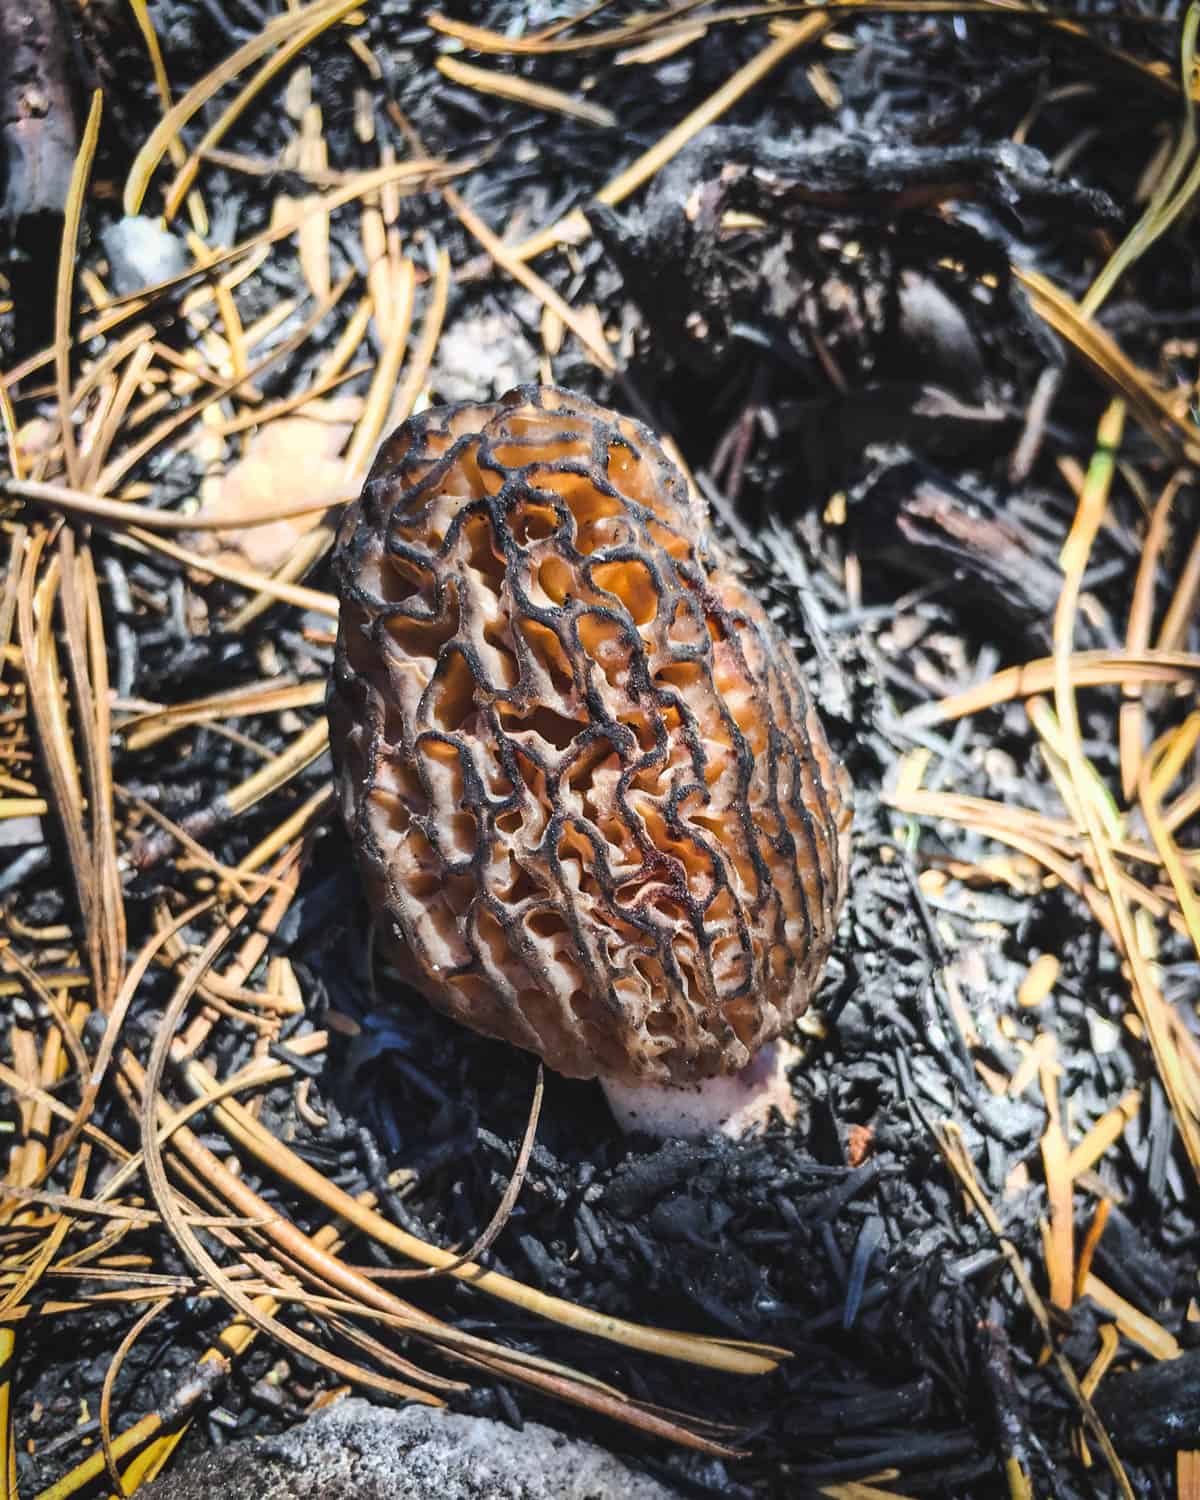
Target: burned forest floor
912,291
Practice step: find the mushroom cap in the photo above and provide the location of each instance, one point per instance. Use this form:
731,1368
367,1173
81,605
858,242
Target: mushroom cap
592,804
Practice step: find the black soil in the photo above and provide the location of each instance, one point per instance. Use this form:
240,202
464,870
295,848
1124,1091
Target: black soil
847,361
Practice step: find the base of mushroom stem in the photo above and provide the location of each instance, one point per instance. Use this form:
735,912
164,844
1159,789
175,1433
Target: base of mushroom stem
731,1105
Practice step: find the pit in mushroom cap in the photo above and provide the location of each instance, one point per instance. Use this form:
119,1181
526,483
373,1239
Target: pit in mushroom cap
590,798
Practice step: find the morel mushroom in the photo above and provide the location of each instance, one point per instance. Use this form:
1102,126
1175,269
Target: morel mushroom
591,801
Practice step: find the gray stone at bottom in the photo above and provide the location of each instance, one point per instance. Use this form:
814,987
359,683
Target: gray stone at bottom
417,1453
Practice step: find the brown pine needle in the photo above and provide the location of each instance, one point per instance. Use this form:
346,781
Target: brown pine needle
1091,1241
245,578
1137,634
72,217
246,1132
522,91
574,227
175,146
1060,1257
8,1449
1150,1006
507,1202
277,31
106,1390
1136,1325
1183,604
512,262
1173,433
263,698
1086,669
408,392
950,1143
1104,1134
369,429
122,513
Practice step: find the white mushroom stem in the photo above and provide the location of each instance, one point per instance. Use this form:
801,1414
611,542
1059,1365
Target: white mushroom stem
732,1104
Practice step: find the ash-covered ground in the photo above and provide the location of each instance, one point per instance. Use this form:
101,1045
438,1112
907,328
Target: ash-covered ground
883,429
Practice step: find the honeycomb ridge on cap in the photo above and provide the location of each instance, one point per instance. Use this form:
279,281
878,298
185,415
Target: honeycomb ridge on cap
590,798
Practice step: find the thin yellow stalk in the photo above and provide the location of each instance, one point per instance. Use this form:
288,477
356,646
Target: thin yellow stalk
72,217
8,1448
522,91
122,513
418,370
713,1354
162,83
1137,634
574,227
1148,1001
244,578
279,59
249,252
1169,199
1087,668
303,750
369,427
158,142
512,261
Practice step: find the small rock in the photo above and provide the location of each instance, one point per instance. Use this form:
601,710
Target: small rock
357,1451
140,253
481,356
17,833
